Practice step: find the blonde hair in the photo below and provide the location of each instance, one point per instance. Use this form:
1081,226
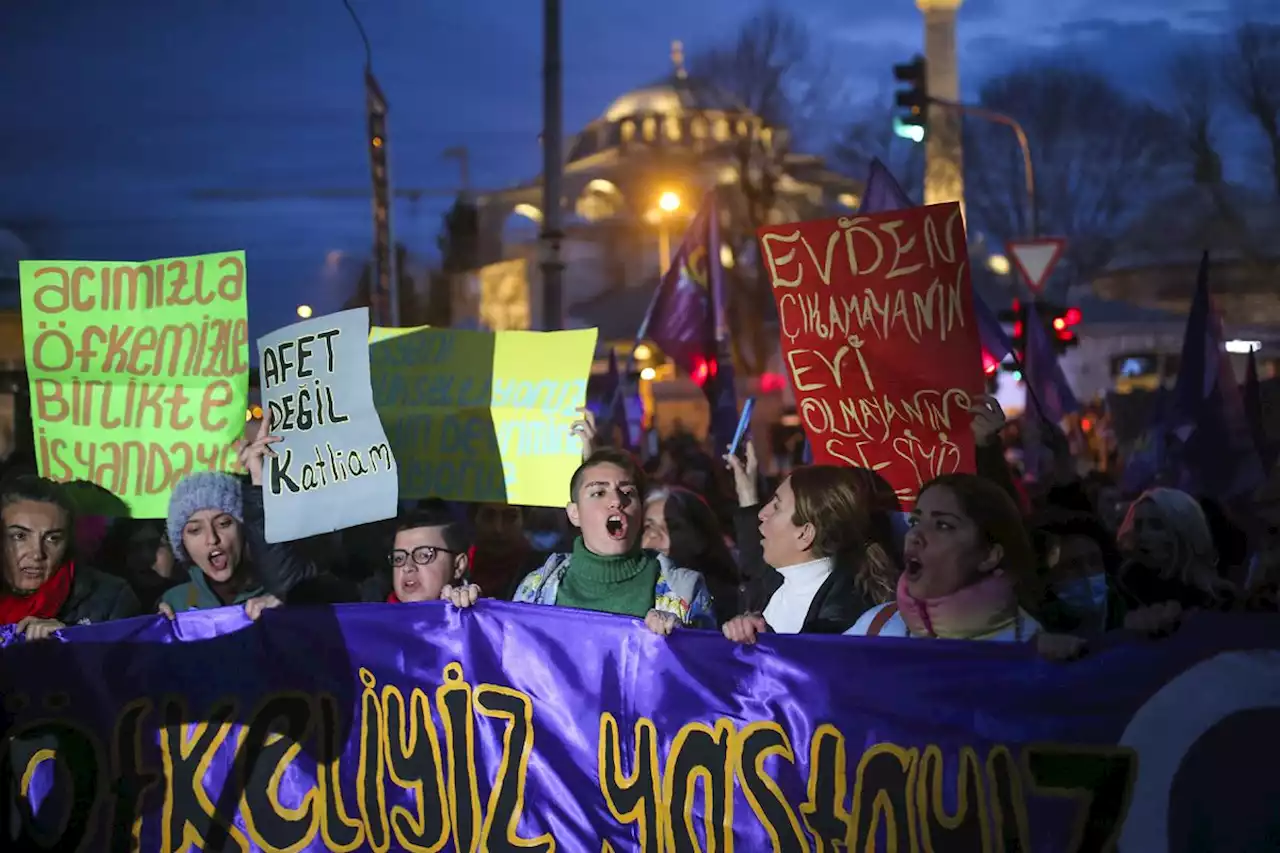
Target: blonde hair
1195,561
834,500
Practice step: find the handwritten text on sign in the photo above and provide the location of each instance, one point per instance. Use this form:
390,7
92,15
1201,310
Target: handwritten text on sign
481,416
334,467
139,371
876,318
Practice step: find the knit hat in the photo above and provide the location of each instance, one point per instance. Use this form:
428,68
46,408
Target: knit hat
203,490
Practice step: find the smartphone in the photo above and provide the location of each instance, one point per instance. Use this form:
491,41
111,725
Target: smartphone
744,423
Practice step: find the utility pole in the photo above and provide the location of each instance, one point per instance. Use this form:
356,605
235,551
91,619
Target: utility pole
385,278
552,168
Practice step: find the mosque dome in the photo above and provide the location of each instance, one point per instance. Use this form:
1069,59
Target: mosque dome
679,111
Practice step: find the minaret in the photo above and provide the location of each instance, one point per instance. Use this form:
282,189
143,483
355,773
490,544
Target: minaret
944,153
677,59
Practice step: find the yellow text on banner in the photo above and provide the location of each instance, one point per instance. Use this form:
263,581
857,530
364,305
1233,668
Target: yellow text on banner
139,373
482,416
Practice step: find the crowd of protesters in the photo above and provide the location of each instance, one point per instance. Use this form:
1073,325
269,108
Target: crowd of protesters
681,540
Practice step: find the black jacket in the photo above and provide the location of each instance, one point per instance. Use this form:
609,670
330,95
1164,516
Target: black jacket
837,604
98,597
278,565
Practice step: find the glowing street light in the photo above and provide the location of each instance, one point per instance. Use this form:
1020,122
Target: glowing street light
998,264
648,374
642,352
668,203
304,311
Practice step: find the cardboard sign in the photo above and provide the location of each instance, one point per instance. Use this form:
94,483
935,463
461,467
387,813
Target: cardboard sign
139,374
482,416
879,339
334,467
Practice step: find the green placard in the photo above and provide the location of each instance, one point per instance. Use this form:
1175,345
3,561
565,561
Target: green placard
139,373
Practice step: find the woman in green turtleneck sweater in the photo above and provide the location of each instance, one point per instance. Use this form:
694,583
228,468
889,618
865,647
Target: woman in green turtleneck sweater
607,570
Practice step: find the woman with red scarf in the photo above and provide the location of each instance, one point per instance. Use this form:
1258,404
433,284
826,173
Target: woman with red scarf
41,588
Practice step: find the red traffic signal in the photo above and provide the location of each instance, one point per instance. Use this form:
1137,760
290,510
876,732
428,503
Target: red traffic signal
703,369
1073,316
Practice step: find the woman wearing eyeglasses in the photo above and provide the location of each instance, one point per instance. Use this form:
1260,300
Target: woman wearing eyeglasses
429,558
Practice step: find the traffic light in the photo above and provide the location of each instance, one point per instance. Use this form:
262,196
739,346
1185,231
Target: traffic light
913,100
704,369
1017,315
1063,337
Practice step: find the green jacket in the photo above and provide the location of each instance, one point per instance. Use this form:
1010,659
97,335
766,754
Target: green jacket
196,594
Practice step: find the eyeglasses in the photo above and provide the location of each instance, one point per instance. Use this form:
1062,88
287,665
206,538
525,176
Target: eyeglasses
424,555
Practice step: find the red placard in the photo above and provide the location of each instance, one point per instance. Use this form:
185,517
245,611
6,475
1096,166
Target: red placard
879,339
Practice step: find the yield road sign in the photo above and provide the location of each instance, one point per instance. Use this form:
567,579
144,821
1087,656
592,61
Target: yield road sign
1036,258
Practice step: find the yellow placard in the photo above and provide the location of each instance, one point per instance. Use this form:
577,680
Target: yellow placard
482,416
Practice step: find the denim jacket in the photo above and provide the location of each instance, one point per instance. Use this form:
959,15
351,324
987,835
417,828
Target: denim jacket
680,592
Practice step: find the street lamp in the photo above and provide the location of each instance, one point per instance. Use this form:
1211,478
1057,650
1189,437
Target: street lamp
304,311
668,203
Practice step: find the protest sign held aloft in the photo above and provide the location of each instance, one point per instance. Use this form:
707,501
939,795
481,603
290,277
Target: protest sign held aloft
878,332
139,371
333,467
482,416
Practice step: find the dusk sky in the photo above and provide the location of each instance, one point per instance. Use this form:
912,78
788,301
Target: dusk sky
118,111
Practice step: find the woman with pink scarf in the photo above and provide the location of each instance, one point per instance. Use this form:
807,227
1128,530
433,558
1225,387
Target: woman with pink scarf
967,562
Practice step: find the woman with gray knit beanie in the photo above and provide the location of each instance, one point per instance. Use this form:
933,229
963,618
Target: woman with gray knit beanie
216,527
206,531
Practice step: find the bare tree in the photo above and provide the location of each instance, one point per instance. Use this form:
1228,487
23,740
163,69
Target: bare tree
1100,157
774,69
871,137
1251,78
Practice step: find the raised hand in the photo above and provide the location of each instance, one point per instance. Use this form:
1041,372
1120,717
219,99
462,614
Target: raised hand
253,450
585,429
744,475
988,419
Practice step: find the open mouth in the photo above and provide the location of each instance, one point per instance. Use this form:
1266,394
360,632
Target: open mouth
218,560
616,526
34,572
912,567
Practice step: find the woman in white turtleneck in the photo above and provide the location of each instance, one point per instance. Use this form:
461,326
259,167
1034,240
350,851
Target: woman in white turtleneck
818,571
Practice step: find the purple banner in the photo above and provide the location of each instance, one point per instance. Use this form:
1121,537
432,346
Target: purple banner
508,727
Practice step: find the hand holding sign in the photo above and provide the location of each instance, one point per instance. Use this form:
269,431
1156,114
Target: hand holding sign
252,450
585,429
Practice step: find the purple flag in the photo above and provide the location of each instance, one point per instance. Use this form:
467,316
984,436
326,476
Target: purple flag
617,398
883,192
721,385
688,319
1252,399
682,318
1049,396
1215,454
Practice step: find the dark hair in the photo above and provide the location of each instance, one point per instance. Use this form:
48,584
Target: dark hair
609,456
697,541
999,521
1087,526
436,513
29,487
